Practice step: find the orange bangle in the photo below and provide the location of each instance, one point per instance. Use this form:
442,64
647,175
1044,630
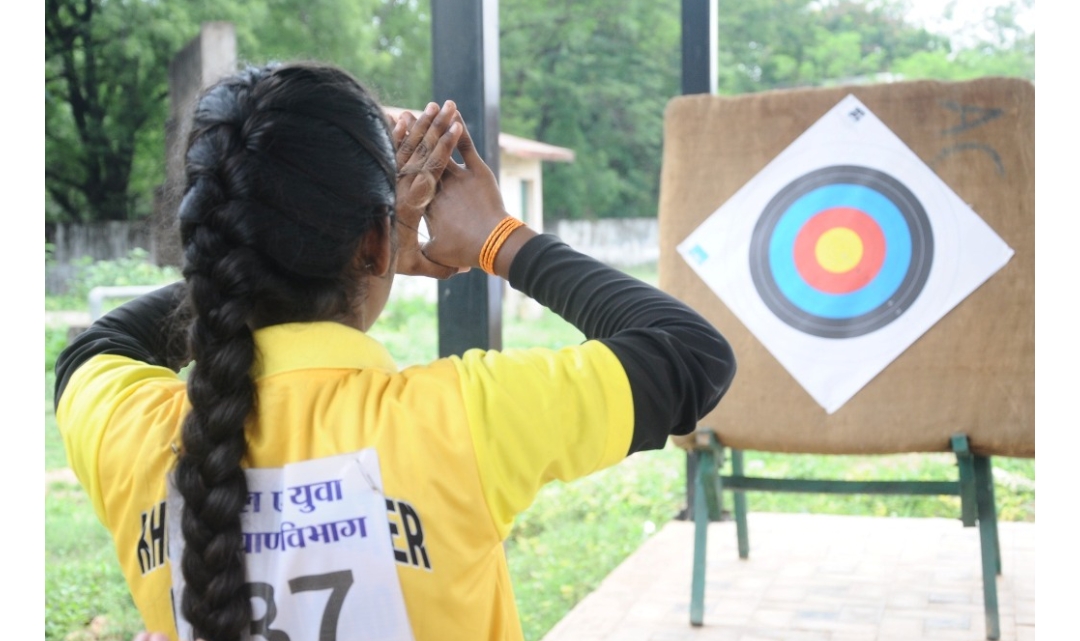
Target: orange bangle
495,242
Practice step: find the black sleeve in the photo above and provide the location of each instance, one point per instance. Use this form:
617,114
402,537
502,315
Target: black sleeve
679,366
143,329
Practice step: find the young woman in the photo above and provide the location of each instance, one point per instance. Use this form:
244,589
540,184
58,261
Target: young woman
298,485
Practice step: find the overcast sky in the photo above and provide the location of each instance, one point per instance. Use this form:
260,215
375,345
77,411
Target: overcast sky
966,14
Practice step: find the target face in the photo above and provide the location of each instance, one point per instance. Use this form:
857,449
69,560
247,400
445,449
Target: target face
841,251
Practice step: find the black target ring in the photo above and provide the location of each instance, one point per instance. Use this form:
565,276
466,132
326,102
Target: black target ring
907,233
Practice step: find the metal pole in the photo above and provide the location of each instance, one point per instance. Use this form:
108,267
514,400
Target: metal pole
465,68
699,50
699,46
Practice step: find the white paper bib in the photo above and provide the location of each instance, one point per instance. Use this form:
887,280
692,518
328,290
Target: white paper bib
319,560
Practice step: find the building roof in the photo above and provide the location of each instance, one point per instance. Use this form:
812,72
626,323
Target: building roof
513,145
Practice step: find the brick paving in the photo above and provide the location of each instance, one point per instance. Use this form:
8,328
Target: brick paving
814,577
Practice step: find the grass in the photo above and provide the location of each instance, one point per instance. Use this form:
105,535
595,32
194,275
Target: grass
560,549
85,594
576,533
1014,483
84,588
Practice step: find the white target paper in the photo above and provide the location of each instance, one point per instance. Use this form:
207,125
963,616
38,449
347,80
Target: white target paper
842,252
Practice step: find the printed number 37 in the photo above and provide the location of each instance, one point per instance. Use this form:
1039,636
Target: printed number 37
337,582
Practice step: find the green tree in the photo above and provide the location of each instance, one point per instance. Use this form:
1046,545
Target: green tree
401,68
384,43
775,44
593,76
105,82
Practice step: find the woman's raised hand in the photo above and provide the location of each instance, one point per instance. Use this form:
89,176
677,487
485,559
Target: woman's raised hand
424,146
460,204
466,209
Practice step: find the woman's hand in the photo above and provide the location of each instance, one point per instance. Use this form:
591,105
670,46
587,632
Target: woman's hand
424,147
466,209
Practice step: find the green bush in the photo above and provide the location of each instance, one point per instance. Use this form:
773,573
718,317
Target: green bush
55,342
409,328
134,269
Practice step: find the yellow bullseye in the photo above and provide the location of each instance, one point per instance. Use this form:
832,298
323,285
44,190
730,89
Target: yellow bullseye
838,250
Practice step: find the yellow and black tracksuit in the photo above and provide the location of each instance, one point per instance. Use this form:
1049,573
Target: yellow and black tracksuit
465,443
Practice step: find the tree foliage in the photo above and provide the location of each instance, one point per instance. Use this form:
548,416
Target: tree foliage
105,89
592,75
106,80
385,43
595,76
999,47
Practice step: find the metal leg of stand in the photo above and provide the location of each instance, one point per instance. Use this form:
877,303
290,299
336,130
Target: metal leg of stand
691,476
965,463
701,530
988,542
993,512
740,506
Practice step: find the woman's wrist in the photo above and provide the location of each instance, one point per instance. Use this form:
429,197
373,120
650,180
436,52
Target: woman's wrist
509,250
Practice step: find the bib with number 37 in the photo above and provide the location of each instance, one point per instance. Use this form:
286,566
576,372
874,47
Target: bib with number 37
318,555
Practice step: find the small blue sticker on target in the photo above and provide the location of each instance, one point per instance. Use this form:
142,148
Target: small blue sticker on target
698,254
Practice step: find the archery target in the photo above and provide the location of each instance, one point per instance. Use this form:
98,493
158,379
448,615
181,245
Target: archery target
842,252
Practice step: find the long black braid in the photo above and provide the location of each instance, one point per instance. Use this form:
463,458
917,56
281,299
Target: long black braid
287,168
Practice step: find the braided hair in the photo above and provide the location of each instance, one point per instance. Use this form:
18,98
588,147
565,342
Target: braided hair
287,168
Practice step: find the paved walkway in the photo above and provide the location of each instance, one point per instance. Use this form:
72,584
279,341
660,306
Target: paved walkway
814,578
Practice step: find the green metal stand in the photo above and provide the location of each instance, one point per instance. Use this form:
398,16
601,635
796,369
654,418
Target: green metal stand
975,488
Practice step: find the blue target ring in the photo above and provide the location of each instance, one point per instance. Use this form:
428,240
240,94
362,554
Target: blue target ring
903,273
873,295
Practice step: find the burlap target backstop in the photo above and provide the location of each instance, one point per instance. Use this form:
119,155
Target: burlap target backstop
973,372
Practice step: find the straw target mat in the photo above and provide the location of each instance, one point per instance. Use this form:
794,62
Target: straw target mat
970,370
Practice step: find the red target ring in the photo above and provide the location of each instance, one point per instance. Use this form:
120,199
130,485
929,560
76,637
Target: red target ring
839,250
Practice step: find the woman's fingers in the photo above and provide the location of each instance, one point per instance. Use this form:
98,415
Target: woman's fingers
417,186
425,154
440,156
426,149
465,210
467,148
412,261
397,132
416,132
468,204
